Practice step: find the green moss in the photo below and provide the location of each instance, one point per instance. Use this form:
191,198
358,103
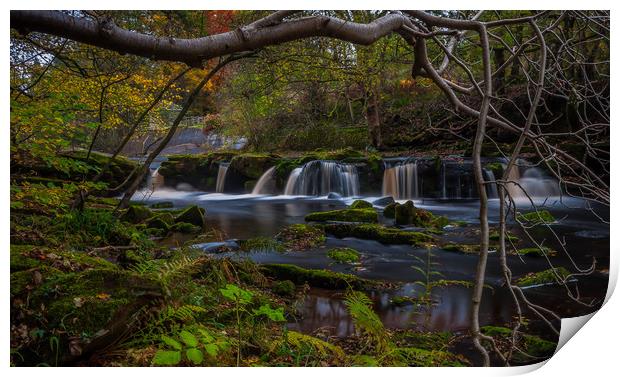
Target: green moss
284,288
25,257
536,217
252,166
315,278
378,233
403,300
531,344
360,204
409,214
183,227
20,259
494,236
366,215
160,205
193,215
543,277
537,252
136,213
461,248
301,236
496,167
344,255
157,222
261,244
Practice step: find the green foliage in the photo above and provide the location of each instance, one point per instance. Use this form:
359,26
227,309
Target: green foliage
366,320
344,255
315,278
193,344
360,204
261,244
276,315
537,251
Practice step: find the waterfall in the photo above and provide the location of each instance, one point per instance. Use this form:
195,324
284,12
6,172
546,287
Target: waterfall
319,178
156,180
489,176
401,181
292,181
443,181
266,183
221,176
534,182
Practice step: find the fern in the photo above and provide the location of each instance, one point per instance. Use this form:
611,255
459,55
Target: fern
366,320
166,271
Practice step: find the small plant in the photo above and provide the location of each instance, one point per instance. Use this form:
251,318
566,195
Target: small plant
241,298
191,344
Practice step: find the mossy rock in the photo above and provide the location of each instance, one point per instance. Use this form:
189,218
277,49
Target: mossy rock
409,214
261,244
157,222
193,215
162,205
301,236
496,167
187,228
344,255
365,215
536,217
379,233
360,204
418,357
462,248
136,214
537,252
25,257
390,210
315,278
284,288
544,277
403,300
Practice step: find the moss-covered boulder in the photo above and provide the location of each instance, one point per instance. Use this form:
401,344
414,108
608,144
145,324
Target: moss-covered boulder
360,204
409,214
390,210
193,215
315,278
261,244
362,215
301,236
183,227
158,222
551,276
344,255
379,233
251,166
283,288
136,214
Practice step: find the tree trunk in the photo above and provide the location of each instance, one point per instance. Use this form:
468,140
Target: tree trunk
373,118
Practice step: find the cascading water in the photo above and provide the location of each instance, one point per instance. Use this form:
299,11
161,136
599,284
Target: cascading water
535,183
221,176
156,180
266,184
489,176
401,181
317,178
292,181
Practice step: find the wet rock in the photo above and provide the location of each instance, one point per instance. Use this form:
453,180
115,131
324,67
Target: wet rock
334,195
382,202
187,228
193,215
550,276
344,255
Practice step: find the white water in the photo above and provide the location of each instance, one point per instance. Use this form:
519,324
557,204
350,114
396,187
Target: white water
401,181
533,183
318,178
221,177
266,183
